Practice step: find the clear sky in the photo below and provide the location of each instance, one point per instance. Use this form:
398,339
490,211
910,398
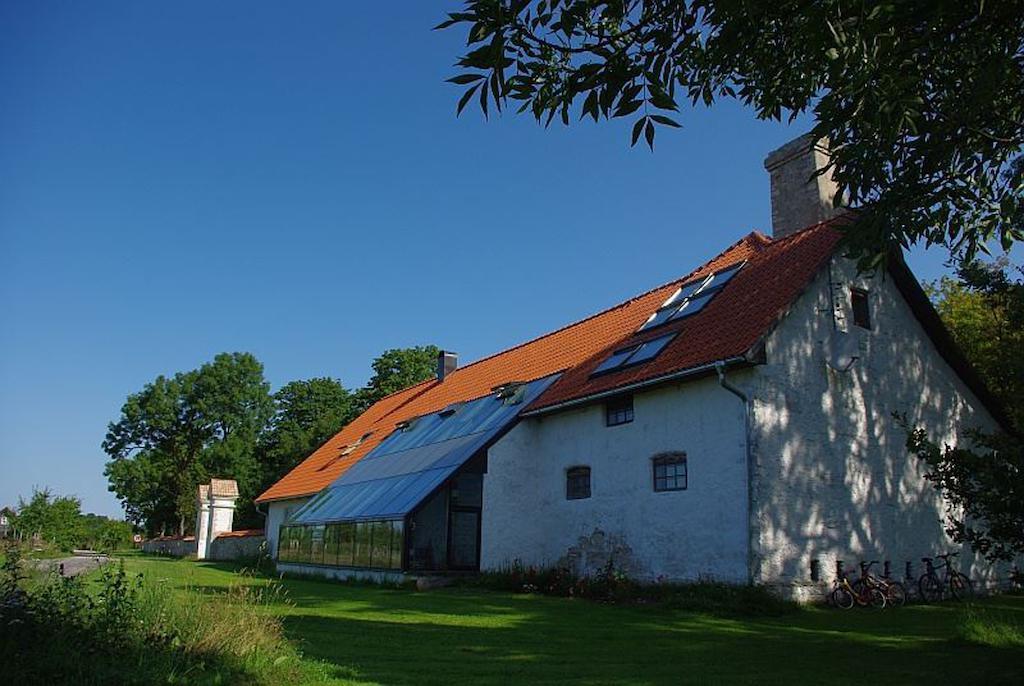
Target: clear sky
290,179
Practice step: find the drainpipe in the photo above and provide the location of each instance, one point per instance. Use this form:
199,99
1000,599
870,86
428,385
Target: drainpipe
748,423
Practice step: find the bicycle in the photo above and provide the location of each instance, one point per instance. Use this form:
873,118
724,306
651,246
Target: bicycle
845,595
895,593
932,588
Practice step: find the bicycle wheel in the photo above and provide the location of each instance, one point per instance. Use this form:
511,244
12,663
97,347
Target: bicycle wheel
961,587
876,598
842,598
930,588
895,594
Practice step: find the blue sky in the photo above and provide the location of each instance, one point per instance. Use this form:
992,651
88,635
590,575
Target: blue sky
181,179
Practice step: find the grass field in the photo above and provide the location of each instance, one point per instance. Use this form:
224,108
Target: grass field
364,635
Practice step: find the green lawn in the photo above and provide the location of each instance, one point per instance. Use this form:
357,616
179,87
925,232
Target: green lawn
451,636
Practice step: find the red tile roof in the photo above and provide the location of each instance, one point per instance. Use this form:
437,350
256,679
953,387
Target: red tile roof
757,296
240,533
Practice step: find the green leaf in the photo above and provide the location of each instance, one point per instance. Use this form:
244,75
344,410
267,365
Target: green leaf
649,134
465,99
666,121
637,128
463,79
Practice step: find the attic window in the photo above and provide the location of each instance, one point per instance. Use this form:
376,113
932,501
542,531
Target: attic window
511,393
450,410
692,297
637,353
861,308
406,425
347,450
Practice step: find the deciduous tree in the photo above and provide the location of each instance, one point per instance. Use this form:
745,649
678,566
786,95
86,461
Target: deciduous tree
923,101
178,432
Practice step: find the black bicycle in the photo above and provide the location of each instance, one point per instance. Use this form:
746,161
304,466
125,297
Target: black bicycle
933,588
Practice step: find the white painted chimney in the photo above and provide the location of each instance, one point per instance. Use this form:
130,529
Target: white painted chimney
800,198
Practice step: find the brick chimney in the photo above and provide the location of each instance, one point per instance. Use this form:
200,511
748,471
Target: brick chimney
447,362
799,197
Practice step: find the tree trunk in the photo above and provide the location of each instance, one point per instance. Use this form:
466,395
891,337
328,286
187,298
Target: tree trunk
181,526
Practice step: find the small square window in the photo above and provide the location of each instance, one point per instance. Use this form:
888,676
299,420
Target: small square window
669,472
861,308
577,483
619,411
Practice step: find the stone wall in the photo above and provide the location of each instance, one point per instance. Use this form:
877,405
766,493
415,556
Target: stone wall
170,546
834,479
700,532
238,547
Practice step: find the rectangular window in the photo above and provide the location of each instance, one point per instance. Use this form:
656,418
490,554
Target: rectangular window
381,550
397,543
305,543
346,543
670,472
363,554
861,308
331,545
284,542
619,411
316,545
577,483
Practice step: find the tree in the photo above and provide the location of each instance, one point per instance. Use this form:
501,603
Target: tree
178,432
923,102
983,486
55,519
984,310
396,369
306,414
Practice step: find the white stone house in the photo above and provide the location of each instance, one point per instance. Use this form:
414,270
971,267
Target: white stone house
734,424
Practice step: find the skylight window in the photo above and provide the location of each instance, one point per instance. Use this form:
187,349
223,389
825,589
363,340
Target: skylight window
634,354
692,297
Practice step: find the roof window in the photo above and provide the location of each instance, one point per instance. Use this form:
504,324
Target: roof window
691,298
637,353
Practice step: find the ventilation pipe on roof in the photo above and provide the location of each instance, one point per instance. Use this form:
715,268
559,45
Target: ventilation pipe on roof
447,362
800,196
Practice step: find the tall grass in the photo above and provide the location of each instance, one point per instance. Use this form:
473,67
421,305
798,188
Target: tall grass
120,629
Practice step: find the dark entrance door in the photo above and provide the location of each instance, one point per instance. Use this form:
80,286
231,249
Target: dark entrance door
464,538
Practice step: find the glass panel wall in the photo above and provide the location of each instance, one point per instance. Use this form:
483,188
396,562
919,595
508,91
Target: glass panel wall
374,545
364,536
346,543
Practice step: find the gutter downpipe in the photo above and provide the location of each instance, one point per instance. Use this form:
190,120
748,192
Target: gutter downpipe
748,421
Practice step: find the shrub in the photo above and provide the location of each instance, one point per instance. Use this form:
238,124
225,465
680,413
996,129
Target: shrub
611,584
121,629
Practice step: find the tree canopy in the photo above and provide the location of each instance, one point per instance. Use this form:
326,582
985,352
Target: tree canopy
306,414
984,311
221,421
396,369
177,432
922,101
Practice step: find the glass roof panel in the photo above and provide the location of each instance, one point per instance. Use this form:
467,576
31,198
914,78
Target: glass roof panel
696,303
650,349
616,360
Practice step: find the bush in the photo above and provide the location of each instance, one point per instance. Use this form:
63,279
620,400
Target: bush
120,629
611,584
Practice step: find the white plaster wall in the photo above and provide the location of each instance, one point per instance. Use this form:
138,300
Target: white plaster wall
834,479
701,531
222,516
277,512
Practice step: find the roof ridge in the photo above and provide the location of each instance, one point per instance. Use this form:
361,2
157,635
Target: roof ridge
622,304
